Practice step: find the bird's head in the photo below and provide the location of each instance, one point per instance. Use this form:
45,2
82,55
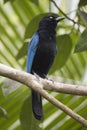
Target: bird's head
50,21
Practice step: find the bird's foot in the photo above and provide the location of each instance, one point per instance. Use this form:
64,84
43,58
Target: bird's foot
49,79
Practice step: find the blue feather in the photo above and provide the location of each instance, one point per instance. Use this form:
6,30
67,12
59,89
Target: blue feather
31,51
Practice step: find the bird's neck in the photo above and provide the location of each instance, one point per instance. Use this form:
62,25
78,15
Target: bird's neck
47,32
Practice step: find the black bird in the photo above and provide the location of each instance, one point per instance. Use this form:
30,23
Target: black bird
41,53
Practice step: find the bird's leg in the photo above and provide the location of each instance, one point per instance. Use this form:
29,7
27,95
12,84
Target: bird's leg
48,78
36,75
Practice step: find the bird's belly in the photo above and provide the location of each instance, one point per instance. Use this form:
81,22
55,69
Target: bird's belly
43,59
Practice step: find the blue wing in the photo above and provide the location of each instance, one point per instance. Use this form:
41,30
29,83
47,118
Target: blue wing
31,51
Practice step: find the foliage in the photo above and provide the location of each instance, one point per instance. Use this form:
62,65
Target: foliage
18,21
82,42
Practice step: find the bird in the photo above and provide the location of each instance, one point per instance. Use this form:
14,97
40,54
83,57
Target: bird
42,50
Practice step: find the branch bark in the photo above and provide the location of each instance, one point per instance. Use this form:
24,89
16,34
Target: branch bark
37,83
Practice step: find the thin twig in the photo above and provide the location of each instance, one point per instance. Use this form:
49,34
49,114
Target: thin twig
63,12
49,6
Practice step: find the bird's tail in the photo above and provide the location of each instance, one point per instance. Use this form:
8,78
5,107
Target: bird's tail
37,105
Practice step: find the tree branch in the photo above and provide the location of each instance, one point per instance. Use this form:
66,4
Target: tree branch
37,83
64,13
64,88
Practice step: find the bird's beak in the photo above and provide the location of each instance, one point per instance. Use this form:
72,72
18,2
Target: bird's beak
59,18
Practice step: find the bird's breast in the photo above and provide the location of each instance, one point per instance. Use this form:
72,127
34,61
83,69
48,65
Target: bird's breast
44,56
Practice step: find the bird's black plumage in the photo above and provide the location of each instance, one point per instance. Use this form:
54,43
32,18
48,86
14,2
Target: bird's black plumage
43,56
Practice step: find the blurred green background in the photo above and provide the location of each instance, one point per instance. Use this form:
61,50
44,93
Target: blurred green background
18,21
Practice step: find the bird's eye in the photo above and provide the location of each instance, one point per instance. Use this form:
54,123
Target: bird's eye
51,17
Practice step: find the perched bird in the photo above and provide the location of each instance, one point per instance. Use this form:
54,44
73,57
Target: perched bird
41,53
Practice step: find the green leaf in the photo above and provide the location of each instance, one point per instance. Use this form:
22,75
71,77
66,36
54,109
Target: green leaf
82,3
32,26
34,1
3,112
83,16
28,122
23,51
5,1
26,115
82,42
64,45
